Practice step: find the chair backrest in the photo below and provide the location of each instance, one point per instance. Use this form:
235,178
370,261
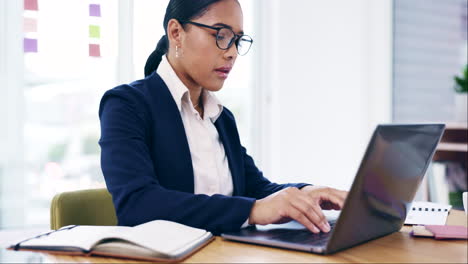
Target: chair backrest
85,207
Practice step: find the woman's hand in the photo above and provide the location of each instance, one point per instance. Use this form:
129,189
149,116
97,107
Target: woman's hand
304,206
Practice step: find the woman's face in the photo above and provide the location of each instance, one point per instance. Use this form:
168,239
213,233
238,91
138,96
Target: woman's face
203,63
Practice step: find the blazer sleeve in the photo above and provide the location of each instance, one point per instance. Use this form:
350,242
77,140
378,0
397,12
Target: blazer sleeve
131,179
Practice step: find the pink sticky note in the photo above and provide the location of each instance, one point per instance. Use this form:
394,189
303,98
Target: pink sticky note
29,24
95,10
94,50
30,45
31,5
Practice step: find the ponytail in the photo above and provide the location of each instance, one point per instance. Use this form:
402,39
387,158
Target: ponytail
153,61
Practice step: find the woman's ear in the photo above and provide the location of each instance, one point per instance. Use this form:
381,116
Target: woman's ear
175,32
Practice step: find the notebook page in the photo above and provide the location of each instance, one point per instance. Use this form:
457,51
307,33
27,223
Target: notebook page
162,236
80,237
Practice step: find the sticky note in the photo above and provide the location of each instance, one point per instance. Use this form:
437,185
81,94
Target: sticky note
94,50
95,10
94,31
29,25
31,5
30,45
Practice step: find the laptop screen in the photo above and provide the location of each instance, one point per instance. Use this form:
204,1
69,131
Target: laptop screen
393,166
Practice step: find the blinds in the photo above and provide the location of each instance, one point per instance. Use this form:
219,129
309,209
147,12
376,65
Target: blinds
429,49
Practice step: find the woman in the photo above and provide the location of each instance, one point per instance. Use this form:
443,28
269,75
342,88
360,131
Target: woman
171,151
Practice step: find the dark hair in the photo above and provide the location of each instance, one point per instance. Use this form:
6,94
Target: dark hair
181,10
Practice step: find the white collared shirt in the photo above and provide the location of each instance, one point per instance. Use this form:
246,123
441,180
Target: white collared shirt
209,160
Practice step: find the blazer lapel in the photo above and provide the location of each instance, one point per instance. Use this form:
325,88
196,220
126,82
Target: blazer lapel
173,155
234,163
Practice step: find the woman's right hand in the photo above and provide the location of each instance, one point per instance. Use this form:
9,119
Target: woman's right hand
294,204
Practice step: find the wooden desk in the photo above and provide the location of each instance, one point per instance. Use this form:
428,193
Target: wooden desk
397,247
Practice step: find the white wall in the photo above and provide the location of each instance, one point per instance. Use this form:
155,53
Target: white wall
324,83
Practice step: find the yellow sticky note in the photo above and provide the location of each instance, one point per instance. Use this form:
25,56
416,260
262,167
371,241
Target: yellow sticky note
94,31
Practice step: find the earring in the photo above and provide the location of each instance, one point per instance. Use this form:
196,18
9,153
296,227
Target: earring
177,51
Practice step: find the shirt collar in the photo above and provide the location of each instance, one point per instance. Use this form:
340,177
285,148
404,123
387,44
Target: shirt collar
177,88
212,105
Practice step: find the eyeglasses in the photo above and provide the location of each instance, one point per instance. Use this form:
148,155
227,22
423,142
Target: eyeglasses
225,38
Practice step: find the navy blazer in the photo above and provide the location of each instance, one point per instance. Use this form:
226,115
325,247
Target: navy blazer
148,169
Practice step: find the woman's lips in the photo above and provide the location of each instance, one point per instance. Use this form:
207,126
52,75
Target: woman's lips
223,72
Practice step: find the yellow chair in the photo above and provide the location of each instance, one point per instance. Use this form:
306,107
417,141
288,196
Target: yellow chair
86,207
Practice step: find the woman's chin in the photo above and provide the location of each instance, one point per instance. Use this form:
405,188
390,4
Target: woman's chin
214,87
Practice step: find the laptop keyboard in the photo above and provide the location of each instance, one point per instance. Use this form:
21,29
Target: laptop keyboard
302,236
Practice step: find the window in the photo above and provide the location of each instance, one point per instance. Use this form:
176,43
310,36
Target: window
429,49
73,53
64,81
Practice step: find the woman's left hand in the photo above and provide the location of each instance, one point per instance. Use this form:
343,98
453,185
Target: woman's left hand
328,198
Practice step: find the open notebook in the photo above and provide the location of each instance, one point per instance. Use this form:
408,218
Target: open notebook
157,240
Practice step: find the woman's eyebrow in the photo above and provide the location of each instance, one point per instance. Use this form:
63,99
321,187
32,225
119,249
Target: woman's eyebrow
228,26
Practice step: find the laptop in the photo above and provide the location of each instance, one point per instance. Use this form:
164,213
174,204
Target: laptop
393,166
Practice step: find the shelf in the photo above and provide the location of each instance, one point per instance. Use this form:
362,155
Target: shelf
457,147
457,126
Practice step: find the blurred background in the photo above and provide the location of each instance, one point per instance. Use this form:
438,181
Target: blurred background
320,76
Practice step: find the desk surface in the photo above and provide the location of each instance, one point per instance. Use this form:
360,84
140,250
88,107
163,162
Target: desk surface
397,247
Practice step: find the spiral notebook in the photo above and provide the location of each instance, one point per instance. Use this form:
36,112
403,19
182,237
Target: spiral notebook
427,213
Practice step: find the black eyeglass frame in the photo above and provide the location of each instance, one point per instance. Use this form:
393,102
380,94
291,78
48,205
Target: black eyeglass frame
236,37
